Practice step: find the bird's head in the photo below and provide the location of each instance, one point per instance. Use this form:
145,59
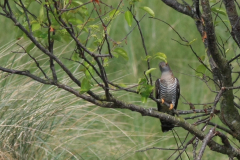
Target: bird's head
164,67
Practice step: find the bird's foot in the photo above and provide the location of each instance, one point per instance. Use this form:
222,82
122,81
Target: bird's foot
162,100
171,106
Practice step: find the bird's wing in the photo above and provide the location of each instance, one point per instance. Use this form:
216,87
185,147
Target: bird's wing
177,93
157,89
157,92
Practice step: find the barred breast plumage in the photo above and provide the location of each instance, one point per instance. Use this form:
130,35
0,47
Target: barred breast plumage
167,89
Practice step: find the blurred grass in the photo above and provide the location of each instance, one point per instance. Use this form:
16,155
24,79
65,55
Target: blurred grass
43,122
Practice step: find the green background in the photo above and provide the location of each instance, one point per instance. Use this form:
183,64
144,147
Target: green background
43,122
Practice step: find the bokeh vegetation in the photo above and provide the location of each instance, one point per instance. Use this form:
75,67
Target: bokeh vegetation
43,122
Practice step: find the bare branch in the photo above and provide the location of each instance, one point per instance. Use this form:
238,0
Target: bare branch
144,46
185,9
25,73
207,138
234,19
65,9
168,149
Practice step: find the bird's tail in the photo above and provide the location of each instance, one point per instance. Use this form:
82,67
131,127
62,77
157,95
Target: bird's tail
166,126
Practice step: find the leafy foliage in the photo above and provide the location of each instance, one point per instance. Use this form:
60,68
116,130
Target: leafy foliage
144,89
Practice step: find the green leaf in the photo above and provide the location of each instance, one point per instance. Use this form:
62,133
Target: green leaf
57,37
89,72
191,42
75,21
144,99
122,85
161,56
94,27
97,42
219,10
20,34
147,58
83,67
114,12
41,13
148,10
75,57
40,34
121,52
76,2
145,92
105,62
227,50
203,58
129,18
200,70
36,26
19,8
30,47
142,81
85,86
144,89
149,71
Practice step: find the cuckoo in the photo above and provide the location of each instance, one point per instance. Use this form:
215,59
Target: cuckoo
167,90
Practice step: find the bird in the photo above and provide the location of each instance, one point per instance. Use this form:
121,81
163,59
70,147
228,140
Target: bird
167,90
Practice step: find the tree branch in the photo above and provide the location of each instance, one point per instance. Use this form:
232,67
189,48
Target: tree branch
185,9
207,138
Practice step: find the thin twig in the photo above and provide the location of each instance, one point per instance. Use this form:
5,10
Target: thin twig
144,46
207,138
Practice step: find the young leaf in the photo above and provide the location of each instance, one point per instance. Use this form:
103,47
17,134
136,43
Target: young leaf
145,92
30,47
76,2
89,73
85,86
149,71
57,37
83,67
129,18
219,10
144,99
161,56
227,50
147,58
40,34
144,89
114,12
75,57
148,10
20,34
191,42
141,83
121,52
75,21
41,13
122,85
19,8
203,58
105,62
200,70
36,26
